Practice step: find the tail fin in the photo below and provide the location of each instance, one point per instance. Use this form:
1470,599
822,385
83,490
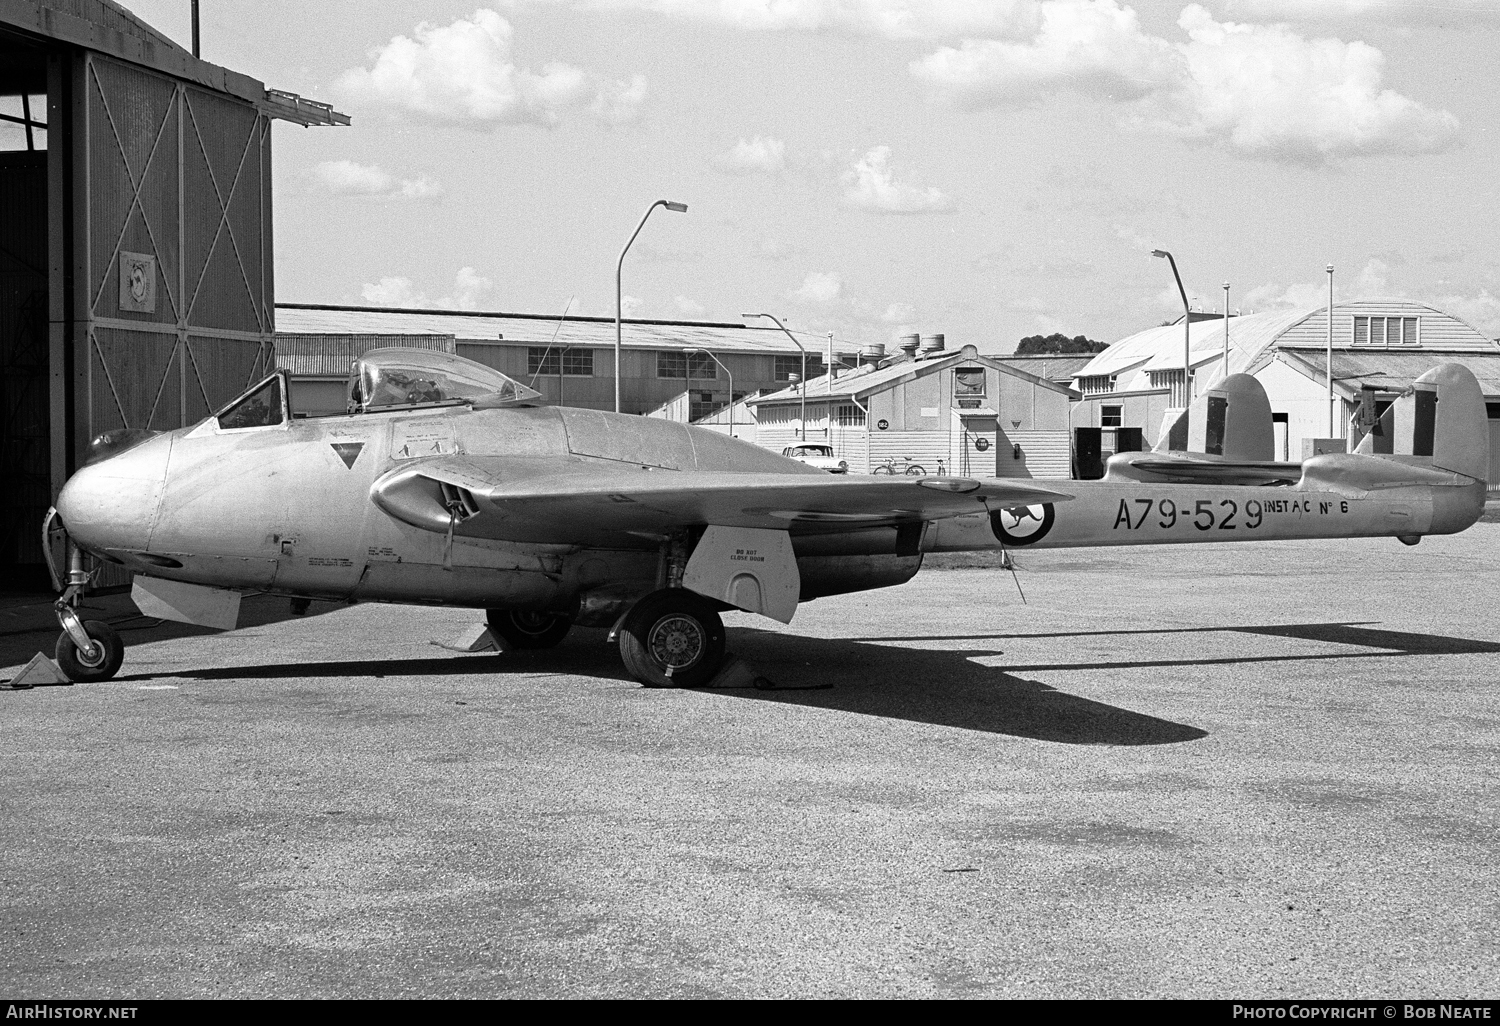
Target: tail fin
1232,419
1439,422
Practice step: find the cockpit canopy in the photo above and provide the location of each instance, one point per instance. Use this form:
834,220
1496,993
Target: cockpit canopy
384,378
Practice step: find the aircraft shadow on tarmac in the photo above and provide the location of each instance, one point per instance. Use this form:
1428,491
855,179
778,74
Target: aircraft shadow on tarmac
874,677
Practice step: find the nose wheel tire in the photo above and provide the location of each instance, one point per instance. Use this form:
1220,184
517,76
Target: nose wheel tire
672,638
82,668
528,629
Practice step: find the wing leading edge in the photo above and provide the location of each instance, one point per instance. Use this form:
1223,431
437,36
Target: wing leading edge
587,503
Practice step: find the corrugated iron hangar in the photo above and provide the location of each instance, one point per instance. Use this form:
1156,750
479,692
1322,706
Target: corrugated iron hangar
135,239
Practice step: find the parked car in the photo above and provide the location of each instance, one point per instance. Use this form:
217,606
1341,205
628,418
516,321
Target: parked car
820,456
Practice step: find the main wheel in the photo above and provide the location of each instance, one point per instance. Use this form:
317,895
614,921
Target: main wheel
884,468
916,470
528,629
672,638
105,664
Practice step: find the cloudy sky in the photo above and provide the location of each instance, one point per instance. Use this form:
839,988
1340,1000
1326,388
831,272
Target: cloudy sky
985,168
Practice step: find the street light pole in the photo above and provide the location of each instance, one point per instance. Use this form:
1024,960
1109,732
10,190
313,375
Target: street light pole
802,414
1330,351
727,373
1226,329
1187,324
680,208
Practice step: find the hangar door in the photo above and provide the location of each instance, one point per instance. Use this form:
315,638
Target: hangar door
178,248
25,455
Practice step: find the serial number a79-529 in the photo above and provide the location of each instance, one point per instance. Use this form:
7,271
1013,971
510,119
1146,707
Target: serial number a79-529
1214,514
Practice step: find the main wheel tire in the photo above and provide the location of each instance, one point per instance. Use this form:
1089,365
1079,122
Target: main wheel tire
883,469
81,670
916,470
673,638
528,629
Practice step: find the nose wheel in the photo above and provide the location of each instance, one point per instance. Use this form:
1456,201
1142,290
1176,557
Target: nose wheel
99,660
673,638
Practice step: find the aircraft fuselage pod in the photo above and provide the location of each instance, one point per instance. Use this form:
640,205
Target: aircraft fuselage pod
548,517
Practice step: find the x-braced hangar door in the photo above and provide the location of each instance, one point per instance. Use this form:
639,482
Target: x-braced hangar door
177,242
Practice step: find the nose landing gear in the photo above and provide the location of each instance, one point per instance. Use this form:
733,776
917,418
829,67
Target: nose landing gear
87,651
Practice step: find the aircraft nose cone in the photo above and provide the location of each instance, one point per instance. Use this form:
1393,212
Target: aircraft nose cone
113,504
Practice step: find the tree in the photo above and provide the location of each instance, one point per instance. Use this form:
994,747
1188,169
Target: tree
1058,344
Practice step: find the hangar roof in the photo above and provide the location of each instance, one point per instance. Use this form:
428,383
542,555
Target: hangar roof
858,384
1257,339
105,27
1393,372
533,329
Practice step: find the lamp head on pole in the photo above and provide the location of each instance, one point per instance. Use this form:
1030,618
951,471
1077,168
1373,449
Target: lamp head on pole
680,208
1160,253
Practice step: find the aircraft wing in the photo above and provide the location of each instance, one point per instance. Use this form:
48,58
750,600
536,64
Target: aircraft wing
594,503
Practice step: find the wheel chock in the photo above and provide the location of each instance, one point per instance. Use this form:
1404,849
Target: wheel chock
40,671
738,674
476,638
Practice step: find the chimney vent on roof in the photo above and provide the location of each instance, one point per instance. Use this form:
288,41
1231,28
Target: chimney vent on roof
932,345
871,355
909,345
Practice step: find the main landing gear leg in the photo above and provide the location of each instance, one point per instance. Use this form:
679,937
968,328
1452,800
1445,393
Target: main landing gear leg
673,638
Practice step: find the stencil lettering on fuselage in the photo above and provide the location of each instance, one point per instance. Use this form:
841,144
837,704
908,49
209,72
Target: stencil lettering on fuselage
417,437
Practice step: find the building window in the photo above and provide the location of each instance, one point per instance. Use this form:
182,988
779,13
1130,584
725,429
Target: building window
1111,416
968,383
1096,383
670,364
578,363
787,366
23,122
775,414
701,404
1385,331
848,415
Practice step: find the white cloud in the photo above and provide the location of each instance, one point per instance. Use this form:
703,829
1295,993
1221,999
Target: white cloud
469,287
463,73
1416,12
1373,281
1482,311
761,155
889,19
1095,47
688,307
631,305
1298,296
869,185
899,313
771,249
819,287
1266,91
346,178
393,292
1260,90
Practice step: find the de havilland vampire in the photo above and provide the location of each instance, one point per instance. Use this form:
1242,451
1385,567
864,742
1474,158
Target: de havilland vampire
446,484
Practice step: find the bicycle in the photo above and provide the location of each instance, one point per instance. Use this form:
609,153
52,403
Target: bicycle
910,469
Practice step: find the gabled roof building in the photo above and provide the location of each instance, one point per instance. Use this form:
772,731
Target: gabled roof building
946,411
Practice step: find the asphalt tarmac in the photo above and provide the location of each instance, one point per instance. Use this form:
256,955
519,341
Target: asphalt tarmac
1243,771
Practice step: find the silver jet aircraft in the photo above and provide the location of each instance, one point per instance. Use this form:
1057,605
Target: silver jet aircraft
445,484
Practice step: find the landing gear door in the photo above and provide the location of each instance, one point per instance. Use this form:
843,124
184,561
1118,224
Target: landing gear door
751,569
